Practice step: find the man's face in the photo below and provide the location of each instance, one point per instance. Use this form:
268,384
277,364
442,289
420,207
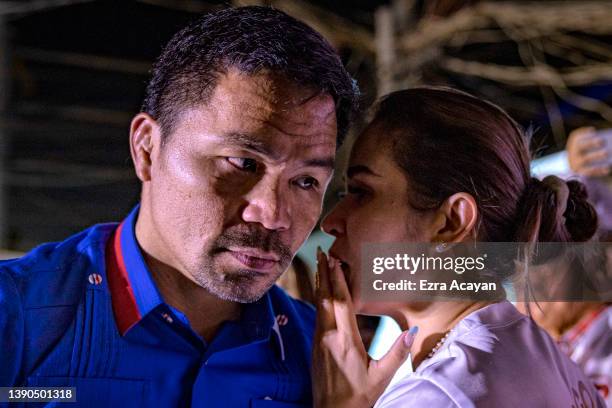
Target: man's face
239,184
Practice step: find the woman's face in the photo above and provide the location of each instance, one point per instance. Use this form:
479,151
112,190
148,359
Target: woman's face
375,209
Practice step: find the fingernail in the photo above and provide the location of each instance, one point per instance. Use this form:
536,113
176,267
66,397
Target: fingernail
332,263
410,335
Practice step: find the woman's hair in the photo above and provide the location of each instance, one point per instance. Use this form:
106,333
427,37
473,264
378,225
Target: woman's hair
447,141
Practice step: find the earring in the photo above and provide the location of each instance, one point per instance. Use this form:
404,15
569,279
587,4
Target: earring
441,247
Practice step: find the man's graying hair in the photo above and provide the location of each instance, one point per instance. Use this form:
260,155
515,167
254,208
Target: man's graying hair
250,39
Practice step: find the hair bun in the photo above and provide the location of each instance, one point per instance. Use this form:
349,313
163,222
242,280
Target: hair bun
554,210
581,218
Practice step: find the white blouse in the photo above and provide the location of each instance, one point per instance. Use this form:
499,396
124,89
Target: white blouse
494,357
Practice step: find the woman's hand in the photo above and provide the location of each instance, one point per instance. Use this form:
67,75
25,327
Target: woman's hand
343,373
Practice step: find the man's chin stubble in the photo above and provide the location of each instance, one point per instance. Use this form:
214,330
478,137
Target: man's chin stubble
236,288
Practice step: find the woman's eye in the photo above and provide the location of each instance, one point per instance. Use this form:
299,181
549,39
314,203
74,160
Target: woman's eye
355,193
307,183
244,164
352,191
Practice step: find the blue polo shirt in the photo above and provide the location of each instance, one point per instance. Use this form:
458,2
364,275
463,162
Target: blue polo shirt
86,313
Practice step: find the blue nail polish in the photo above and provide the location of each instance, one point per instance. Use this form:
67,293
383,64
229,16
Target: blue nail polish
413,330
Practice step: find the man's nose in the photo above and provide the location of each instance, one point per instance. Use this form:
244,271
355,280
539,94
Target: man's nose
268,205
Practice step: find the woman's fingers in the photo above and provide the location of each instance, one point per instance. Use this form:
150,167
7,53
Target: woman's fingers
325,306
323,287
382,371
343,303
337,280
334,303
340,363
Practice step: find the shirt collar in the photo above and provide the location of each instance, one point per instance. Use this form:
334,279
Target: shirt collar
258,318
134,293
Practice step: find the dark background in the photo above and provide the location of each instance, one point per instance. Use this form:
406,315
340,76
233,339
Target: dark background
73,74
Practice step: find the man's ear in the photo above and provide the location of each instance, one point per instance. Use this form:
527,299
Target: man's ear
456,218
145,138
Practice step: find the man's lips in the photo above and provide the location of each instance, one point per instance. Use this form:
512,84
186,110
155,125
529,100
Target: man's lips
254,259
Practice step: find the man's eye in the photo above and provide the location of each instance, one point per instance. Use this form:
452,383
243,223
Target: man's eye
307,183
244,164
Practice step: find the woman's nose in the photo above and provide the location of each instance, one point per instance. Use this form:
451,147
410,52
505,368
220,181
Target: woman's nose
333,223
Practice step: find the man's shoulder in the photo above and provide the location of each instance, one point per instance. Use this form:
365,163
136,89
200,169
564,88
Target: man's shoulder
52,273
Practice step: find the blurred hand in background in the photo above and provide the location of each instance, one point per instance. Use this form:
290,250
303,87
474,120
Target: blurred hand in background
589,151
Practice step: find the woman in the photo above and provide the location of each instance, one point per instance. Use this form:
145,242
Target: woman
440,166
583,330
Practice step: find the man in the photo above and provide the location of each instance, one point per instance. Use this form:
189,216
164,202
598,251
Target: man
176,306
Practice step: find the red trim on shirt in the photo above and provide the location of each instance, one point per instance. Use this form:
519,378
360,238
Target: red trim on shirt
582,326
125,308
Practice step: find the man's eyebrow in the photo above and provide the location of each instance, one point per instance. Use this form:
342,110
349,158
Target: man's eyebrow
360,169
327,163
249,142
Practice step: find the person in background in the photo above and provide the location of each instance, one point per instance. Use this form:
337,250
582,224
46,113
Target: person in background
583,329
441,166
589,153
176,306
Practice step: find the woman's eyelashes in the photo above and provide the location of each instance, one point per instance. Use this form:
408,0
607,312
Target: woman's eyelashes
355,192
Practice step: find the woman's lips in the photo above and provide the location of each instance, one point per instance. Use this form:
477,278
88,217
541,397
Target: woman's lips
254,262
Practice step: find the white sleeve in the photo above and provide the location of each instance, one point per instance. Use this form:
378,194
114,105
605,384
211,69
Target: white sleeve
415,394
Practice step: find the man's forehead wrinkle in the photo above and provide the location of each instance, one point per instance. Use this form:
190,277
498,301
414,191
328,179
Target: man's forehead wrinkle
250,103
253,143
281,91
291,124
323,101
264,94
276,91
319,109
303,133
255,105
